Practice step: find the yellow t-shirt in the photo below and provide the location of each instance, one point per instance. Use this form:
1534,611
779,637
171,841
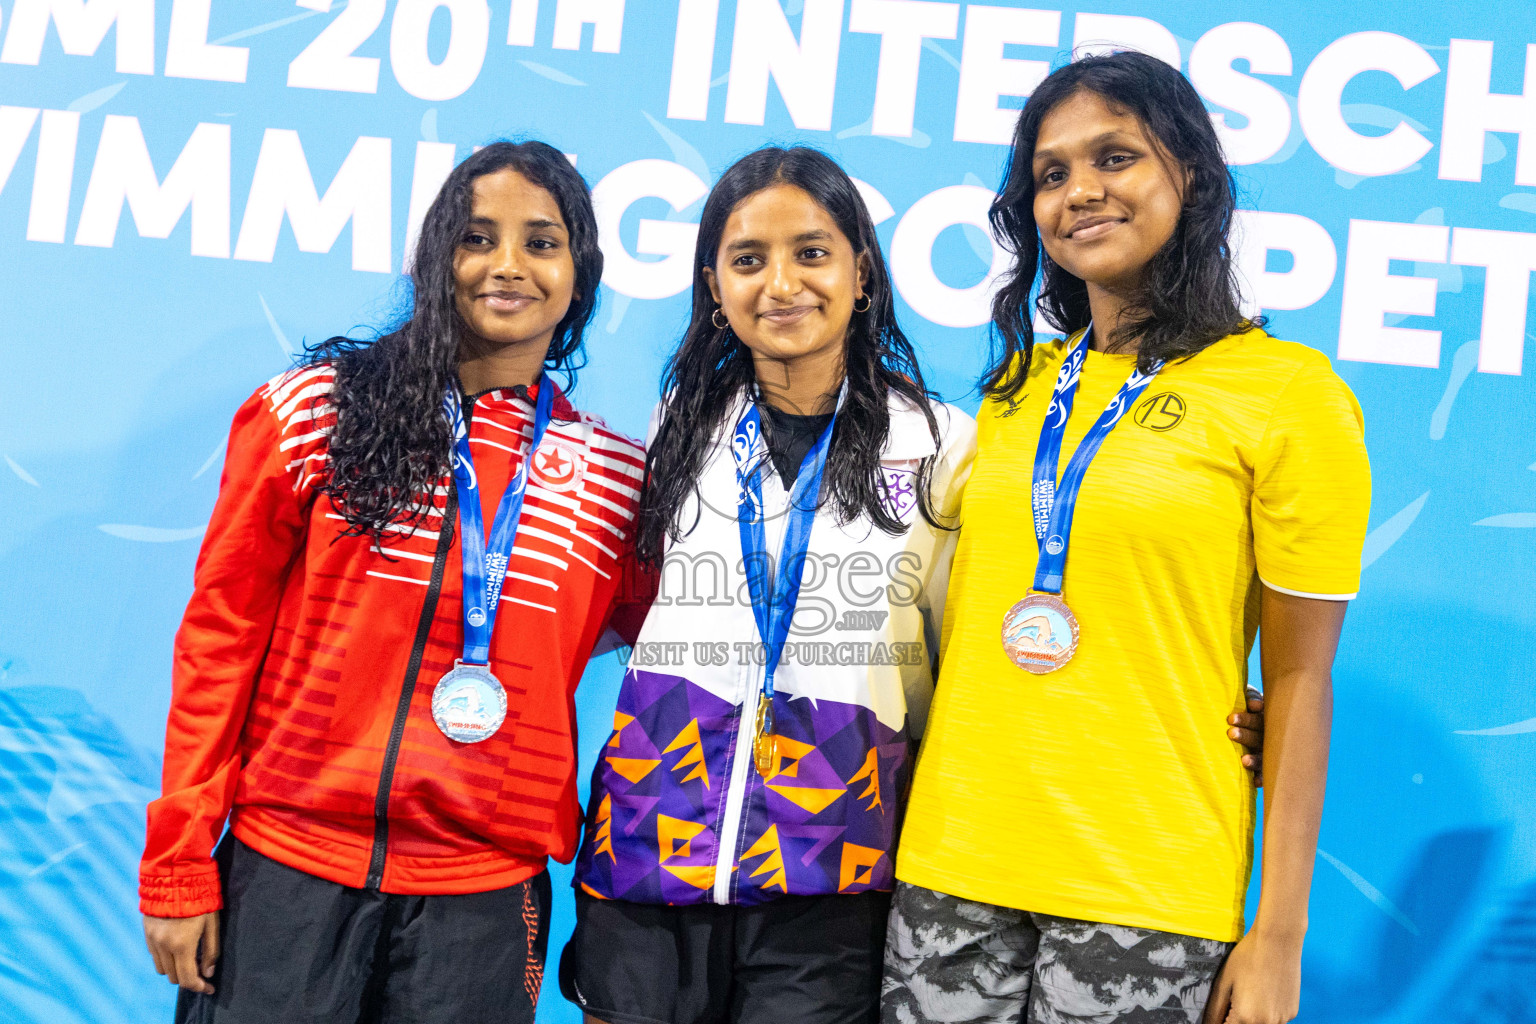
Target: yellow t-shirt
1108,790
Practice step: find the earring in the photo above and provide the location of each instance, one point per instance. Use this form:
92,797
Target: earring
714,318
867,303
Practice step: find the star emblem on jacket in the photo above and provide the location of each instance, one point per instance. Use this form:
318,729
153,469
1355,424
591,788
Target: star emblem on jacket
557,467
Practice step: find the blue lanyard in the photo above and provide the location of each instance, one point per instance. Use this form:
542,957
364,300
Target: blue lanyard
485,561
1054,504
774,605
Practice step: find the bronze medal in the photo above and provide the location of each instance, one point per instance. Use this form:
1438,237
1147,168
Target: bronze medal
1040,633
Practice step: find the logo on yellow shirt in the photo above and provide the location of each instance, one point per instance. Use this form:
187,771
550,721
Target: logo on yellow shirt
1163,411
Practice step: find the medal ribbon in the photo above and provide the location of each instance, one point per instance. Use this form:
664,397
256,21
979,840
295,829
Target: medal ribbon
774,592
1053,504
485,559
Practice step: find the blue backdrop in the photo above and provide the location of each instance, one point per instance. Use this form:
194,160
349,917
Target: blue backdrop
190,190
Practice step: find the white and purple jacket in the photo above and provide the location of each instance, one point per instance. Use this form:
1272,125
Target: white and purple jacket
679,814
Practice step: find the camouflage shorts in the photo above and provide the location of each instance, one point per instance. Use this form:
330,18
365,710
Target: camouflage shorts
954,961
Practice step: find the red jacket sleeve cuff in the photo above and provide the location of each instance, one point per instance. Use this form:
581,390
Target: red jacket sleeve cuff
189,894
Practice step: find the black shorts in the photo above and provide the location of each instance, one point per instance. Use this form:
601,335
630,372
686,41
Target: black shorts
796,960
296,949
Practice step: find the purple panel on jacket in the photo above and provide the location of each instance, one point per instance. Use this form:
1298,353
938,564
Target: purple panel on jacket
823,821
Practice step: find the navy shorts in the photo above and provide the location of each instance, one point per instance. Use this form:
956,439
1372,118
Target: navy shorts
296,949
795,960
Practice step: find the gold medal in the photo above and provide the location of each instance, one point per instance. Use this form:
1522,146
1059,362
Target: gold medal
765,744
1040,633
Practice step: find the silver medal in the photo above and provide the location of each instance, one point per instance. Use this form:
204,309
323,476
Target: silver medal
469,703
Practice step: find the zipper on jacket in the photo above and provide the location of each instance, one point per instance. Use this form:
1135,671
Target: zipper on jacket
732,839
408,689
729,844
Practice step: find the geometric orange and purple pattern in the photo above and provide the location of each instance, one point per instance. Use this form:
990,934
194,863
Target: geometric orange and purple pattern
823,820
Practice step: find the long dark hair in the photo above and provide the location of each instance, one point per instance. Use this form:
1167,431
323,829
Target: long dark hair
1189,296
391,440
712,368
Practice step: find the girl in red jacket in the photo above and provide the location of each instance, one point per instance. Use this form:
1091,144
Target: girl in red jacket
417,544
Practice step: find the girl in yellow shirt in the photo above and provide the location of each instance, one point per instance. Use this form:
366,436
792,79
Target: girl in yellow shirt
1192,482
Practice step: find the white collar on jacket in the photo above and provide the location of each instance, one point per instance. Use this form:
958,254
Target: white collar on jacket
908,439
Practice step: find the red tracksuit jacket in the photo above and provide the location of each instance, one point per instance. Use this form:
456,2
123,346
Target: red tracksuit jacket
304,667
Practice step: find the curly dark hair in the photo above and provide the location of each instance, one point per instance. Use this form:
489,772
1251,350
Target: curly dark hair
1189,295
391,440
712,368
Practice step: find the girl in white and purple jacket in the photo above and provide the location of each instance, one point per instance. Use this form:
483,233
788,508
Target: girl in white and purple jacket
801,504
